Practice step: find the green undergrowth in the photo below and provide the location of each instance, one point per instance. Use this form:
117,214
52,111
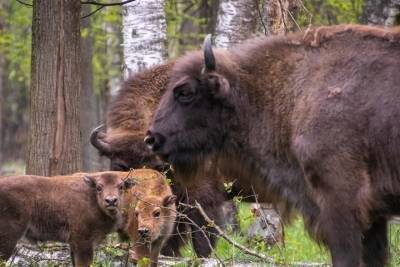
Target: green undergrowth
298,246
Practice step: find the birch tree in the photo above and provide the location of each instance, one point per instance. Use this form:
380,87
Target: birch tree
54,136
236,21
144,33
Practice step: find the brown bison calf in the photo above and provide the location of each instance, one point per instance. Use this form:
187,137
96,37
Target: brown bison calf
149,214
79,210
310,120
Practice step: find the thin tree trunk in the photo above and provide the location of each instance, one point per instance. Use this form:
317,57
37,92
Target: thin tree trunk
2,75
88,115
54,141
237,21
144,32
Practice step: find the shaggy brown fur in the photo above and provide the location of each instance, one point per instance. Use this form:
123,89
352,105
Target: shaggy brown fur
128,118
149,214
308,120
79,210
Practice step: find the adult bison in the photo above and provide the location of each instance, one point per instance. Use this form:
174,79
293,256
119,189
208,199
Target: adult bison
312,120
128,118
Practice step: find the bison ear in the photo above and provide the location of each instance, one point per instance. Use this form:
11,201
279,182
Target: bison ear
169,201
89,181
129,183
218,85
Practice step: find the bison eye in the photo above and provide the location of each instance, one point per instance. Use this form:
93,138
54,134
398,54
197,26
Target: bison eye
121,187
99,188
184,94
156,214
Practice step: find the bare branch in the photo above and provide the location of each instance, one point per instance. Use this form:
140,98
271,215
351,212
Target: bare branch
229,240
95,11
105,4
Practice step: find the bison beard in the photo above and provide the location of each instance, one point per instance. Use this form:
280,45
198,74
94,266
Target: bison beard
121,140
310,121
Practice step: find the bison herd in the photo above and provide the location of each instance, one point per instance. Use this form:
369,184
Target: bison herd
309,122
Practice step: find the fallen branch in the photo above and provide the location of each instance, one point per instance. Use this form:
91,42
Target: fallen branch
230,241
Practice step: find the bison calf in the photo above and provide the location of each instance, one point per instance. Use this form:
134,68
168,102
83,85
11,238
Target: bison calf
79,210
150,213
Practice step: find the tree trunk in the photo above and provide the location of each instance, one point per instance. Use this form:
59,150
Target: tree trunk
381,12
278,16
144,32
54,141
2,76
237,21
88,115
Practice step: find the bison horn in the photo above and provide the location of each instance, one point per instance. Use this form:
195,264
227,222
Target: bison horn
209,59
97,141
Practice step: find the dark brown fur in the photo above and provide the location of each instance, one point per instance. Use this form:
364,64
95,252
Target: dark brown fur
128,118
61,208
308,120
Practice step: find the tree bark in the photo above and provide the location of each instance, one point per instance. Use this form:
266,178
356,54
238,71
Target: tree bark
54,141
278,15
88,116
144,32
237,21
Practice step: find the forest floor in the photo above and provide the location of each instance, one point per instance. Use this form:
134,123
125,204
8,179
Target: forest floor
297,249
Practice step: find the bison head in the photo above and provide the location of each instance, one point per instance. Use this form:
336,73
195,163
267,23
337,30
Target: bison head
155,216
109,188
190,122
125,150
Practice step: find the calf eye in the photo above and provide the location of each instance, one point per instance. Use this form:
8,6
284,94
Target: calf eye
121,187
183,94
156,214
99,189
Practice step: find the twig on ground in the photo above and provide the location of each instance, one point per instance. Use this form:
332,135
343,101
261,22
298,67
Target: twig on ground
229,240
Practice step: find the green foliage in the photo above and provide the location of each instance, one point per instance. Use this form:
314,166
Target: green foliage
330,12
107,53
15,41
394,239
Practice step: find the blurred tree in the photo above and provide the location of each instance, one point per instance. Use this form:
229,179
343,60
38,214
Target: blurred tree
144,31
279,16
188,22
381,12
54,136
88,115
2,72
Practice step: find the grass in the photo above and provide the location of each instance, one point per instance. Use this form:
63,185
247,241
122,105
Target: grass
298,247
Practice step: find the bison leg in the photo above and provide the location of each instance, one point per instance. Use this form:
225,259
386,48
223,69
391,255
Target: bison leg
203,236
176,241
10,233
375,244
83,254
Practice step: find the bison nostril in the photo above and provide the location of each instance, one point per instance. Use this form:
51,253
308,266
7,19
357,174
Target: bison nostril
154,140
149,140
143,232
111,201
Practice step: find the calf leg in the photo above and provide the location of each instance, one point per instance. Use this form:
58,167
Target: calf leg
375,244
10,233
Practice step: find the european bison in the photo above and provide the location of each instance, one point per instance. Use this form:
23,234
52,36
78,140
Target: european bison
149,213
310,120
79,210
128,118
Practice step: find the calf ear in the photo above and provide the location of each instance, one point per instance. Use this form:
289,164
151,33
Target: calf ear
129,183
89,181
218,85
169,201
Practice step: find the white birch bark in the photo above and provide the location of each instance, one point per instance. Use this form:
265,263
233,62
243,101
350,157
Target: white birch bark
236,21
144,33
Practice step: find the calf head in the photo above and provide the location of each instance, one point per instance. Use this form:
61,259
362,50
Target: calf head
155,217
109,189
191,120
